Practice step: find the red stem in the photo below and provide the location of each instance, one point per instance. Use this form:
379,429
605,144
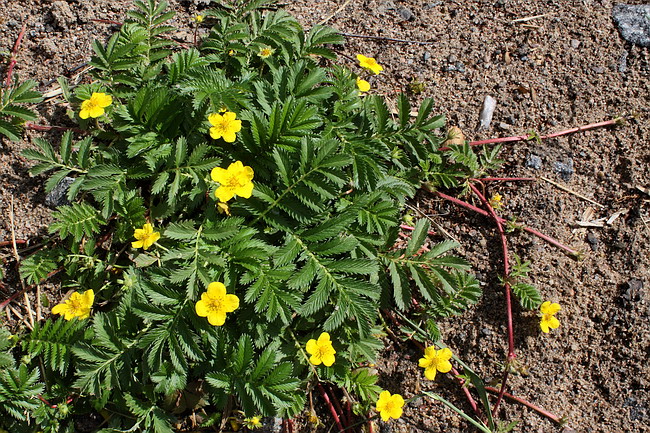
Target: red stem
407,227
10,243
51,406
526,403
371,428
531,136
506,286
35,127
330,406
338,407
540,235
14,53
117,23
505,179
348,410
290,425
20,292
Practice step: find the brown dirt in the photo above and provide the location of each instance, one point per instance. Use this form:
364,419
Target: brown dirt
554,72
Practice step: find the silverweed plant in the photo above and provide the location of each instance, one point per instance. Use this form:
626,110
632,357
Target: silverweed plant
230,241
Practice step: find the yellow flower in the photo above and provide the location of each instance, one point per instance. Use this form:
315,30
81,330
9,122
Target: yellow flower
363,85
236,180
495,201
94,107
199,19
434,361
78,305
253,422
321,350
549,320
369,63
231,52
145,236
224,125
266,52
389,406
215,303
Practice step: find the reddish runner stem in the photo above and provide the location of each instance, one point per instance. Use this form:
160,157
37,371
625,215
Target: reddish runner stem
526,137
504,179
526,403
96,20
14,54
409,228
331,407
34,127
550,240
506,287
20,292
10,243
338,407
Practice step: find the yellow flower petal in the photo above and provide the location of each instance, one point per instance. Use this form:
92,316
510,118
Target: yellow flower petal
430,373
544,326
219,174
216,290
231,303
363,85
224,194
312,346
444,366
217,319
328,360
201,308
137,244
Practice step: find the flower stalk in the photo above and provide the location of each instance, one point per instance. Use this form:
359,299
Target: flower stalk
14,53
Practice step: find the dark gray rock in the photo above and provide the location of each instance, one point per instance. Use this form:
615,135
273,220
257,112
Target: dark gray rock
534,162
633,21
426,56
634,290
564,169
593,241
58,196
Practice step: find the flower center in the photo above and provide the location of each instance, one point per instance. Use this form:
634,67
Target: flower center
547,317
215,305
234,181
389,406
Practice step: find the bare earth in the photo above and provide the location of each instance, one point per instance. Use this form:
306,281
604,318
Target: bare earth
565,68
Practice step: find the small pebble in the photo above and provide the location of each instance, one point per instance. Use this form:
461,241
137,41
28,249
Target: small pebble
534,162
564,169
426,56
622,62
593,241
406,14
575,43
58,196
485,118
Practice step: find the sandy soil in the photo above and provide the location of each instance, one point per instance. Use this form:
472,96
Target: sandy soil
566,68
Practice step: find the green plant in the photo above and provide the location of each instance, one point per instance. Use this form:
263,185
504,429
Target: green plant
310,251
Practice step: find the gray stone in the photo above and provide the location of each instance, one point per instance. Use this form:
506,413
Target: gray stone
63,15
633,22
426,56
634,290
271,425
58,196
406,13
534,162
593,241
575,43
564,169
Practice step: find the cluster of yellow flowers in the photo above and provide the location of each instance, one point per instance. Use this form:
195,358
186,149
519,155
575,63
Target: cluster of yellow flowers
370,64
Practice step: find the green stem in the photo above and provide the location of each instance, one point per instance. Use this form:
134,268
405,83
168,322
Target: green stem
482,427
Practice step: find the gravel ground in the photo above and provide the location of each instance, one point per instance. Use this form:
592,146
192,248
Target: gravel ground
550,65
